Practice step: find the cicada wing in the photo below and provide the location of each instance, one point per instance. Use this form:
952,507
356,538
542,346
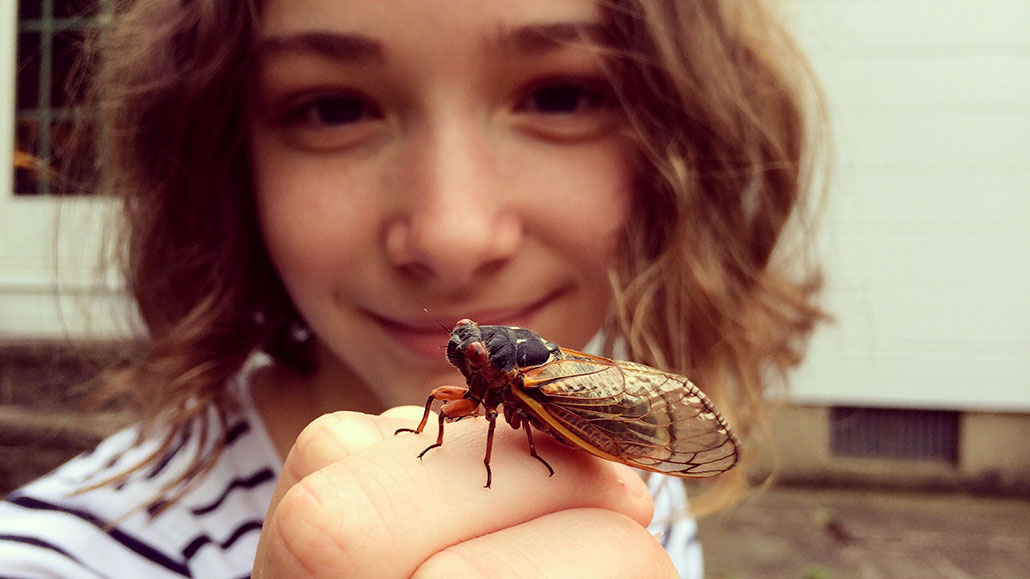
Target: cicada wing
631,413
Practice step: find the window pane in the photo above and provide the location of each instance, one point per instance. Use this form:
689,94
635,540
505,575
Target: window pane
67,48
75,8
49,96
27,164
29,9
28,71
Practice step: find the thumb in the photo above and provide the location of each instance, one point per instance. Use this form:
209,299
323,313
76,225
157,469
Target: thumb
407,413
335,436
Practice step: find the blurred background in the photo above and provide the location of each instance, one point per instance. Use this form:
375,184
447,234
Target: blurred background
904,444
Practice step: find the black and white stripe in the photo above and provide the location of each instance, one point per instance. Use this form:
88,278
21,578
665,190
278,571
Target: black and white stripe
48,529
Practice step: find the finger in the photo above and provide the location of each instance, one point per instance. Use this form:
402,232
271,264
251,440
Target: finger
327,439
570,543
332,437
407,413
344,518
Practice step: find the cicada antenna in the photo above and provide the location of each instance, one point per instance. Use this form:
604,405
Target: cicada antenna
445,328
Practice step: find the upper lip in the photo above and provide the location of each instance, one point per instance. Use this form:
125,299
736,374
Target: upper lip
486,316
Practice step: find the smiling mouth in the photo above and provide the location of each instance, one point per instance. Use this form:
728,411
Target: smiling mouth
428,337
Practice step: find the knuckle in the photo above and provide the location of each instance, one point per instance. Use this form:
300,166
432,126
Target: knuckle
332,437
348,430
337,520
297,527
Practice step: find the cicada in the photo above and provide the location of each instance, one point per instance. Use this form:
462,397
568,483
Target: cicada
616,410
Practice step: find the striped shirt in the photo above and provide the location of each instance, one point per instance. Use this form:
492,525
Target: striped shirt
48,529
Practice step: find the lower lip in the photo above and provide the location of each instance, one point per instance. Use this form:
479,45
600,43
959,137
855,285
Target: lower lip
432,345
426,345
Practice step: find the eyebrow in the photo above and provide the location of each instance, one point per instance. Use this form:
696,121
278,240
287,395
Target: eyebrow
344,47
528,39
537,38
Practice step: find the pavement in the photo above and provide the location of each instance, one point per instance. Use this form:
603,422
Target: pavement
827,533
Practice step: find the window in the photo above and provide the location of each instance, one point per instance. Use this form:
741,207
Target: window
50,242
50,38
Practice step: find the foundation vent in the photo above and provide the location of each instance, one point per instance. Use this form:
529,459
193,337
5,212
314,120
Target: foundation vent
894,433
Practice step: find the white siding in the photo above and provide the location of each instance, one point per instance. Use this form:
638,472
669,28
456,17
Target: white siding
927,235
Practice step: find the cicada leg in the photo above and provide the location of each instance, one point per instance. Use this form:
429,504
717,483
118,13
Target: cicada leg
515,419
439,439
425,418
532,447
441,393
457,407
491,417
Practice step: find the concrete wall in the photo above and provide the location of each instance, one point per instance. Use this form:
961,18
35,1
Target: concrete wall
43,389
992,455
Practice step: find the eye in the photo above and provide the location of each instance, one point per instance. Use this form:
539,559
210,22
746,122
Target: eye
331,111
568,109
475,353
566,97
325,119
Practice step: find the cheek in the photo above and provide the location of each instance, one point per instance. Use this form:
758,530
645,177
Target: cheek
589,203
312,226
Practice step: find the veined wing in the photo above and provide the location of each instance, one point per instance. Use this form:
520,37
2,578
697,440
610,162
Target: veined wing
631,413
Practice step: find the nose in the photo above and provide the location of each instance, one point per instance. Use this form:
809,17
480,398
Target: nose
456,224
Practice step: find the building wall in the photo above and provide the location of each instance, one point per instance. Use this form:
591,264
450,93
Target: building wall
927,225
989,457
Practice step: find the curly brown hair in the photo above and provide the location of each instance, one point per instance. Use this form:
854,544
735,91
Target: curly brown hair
717,96
728,115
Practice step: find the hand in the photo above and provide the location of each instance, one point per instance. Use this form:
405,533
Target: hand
354,501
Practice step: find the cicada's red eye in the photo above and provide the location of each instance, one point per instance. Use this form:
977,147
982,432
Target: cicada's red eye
463,322
475,353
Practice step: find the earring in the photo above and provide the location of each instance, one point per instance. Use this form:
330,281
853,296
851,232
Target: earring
299,332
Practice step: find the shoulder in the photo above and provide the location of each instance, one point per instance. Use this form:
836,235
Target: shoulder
64,525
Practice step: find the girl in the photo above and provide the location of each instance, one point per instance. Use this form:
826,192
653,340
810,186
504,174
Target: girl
302,179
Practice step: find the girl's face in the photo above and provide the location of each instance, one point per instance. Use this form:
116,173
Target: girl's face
465,157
